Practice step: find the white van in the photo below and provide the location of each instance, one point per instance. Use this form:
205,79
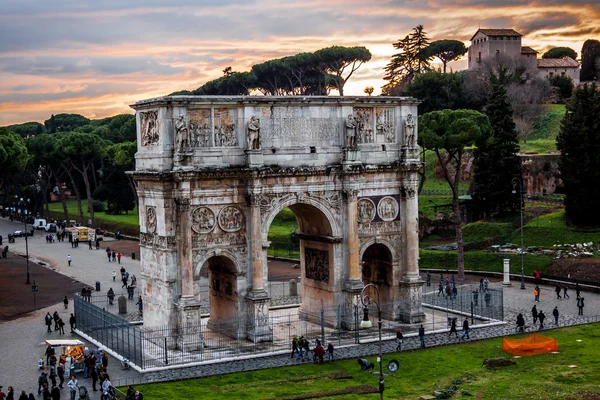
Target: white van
39,223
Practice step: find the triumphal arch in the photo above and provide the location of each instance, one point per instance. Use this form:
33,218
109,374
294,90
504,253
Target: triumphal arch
213,172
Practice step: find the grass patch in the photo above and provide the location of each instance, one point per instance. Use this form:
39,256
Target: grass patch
482,230
479,260
421,372
126,223
541,146
550,229
427,204
281,235
547,126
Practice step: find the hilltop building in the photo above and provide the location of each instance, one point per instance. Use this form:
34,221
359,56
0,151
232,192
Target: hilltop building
489,42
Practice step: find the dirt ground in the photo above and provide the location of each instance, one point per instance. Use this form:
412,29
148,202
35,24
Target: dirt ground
578,268
16,297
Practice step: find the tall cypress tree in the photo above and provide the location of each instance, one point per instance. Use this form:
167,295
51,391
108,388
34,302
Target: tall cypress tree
496,161
579,143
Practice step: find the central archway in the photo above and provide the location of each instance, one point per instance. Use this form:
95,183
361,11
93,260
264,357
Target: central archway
320,254
378,268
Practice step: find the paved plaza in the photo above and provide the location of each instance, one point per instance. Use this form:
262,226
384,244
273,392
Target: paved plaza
21,340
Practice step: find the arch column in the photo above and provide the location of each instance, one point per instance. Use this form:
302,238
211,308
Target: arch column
411,285
258,301
354,281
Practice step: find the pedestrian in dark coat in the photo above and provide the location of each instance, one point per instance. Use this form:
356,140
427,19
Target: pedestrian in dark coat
580,304
541,316
66,302
465,330
330,351
94,375
422,336
534,314
557,289
555,313
520,323
48,321
55,393
294,345
453,328
72,322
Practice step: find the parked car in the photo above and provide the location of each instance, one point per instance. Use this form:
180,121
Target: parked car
50,228
23,233
39,223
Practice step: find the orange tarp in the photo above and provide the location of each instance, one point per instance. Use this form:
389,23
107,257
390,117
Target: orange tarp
529,346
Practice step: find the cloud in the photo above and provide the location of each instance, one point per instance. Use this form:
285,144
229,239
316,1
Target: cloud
95,57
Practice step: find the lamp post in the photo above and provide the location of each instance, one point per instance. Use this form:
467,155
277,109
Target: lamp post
518,182
23,204
366,323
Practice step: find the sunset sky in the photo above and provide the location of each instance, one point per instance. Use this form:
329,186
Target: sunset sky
97,57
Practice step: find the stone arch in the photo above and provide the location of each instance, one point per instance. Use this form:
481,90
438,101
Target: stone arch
365,245
377,267
291,201
200,264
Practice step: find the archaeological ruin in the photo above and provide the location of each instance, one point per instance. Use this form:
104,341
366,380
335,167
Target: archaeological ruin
214,171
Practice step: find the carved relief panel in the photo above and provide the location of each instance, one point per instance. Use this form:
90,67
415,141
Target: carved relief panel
384,124
200,127
387,208
230,219
366,210
150,219
149,128
225,129
203,220
363,118
317,264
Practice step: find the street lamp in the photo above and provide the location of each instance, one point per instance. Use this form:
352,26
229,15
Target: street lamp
519,182
24,203
366,323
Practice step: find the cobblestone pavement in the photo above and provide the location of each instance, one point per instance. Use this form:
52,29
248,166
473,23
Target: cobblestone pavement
21,340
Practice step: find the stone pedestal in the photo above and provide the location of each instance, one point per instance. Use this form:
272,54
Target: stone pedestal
409,308
258,328
352,156
506,275
352,298
189,336
254,158
409,153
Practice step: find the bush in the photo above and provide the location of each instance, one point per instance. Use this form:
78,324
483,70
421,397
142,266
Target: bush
98,206
564,84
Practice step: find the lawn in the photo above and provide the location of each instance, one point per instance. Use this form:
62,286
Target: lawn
546,376
126,223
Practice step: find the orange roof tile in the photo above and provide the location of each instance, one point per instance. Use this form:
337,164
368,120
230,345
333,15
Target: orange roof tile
498,32
557,63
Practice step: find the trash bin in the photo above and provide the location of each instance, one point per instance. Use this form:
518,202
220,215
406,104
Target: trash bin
122,305
293,287
97,286
133,256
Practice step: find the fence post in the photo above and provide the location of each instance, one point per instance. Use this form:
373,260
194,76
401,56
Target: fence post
322,325
166,355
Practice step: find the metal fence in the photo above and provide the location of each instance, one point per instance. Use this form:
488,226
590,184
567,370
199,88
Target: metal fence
167,345
468,301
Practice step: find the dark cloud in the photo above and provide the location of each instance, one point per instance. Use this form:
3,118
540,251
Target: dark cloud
548,21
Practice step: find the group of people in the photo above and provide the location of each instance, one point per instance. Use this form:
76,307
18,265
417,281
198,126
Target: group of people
59,325
301,349
10,394
447,287
113,255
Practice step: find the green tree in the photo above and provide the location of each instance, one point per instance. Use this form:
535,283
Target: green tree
560,52
579,144
590,57
27,129
447,133
337,60
65,122
564,84
13,156
439,91
496,161
82,150
445,50
411,60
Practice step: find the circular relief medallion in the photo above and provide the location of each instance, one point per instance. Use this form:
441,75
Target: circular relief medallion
230,219
366,211
203,220
387,208
150,219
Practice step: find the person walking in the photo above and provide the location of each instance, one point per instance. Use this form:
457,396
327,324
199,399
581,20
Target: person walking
555,313
108,253
55,393
140,305
557,289
294,345
94,375
534,314
422,336
453,328
90,244
42,380
48,320
73,385
69,259
428,278
300,347
465,330
60,372
56,318
66,302
306,353
119,257
440,289
330,351
72,322
399,339
114,256
520,323
541,317
61,326
565,294
536,293
114,275
577,289
580,304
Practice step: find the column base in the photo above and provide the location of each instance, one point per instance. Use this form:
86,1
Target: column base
259,328
353,286
352,315
190,336
410,309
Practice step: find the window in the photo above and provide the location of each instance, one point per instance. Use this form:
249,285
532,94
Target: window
562,74
551,74
515,38
501,37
